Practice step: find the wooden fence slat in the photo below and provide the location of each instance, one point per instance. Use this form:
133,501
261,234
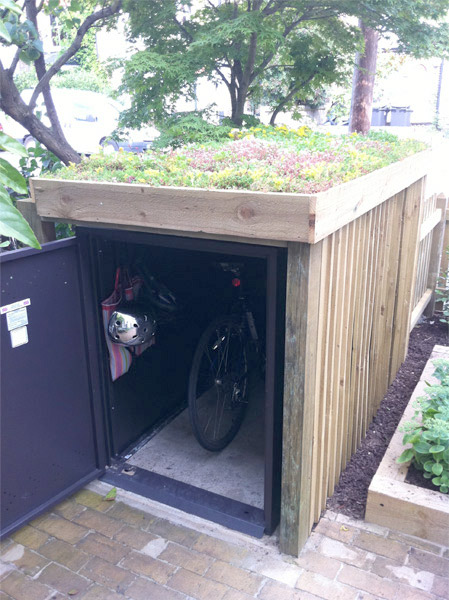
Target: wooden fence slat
436,262
319,481
407,274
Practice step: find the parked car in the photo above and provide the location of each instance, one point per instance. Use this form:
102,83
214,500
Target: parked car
88,120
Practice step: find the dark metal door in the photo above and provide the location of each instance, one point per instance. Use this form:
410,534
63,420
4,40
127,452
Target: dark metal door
52,441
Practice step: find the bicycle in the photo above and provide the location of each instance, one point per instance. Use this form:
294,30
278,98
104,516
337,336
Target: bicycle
218,382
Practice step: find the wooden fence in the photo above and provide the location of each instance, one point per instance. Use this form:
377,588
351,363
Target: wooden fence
363,287
429,263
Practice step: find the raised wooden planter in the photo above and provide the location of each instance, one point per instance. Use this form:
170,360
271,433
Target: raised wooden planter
394,503
352,261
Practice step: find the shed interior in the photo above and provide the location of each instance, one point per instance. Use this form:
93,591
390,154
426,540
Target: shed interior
151,442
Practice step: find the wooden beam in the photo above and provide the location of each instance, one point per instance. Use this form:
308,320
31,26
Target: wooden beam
342,204
257,215
420,308
45,232
300,392
436,254
429,224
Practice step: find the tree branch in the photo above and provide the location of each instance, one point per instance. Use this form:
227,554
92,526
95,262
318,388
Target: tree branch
103,13
14,62
183,29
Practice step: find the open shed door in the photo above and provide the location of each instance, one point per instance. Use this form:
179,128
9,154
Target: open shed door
52,440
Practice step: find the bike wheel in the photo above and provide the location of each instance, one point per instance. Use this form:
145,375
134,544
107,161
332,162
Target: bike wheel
218,384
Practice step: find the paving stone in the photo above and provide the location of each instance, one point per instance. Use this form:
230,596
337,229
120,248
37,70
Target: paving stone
381,545
339,551
131,516
235,577
5,569
362,525
368,582
236,595
405,591
30,537
28,561
186,558
446,553
317,563
174,533
441,587
68,509
385,567
415,542
143,589
91,500
5,543
148,566
62,579
5,596
337,531
20,587
196,586
325,588
102,546
97,592
111,576
219,549
99,522
155,547
428,562
62,529
276,591
272,566
65,554
134,538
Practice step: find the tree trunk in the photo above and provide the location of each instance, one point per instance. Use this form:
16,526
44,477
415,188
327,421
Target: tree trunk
13,105
363,83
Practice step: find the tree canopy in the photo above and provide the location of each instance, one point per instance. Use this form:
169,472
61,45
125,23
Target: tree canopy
244,43
20,29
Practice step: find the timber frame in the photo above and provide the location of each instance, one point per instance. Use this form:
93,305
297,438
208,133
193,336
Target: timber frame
353,253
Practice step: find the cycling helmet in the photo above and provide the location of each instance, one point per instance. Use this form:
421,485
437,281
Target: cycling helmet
159,295
132,324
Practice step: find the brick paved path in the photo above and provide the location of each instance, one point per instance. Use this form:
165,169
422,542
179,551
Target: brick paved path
90,549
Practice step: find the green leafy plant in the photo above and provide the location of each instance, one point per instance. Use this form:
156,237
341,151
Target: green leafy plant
428,432
12,223
264,158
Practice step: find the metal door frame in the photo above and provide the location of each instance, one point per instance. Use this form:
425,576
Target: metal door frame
275,321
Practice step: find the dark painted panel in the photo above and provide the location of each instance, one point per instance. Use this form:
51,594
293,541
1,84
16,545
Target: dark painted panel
190,499
47,429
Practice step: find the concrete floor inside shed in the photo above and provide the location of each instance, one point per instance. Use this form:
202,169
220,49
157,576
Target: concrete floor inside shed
237,472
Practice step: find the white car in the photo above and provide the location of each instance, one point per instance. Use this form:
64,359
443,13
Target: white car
88,119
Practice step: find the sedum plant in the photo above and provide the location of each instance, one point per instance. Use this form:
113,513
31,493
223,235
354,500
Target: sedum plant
428,432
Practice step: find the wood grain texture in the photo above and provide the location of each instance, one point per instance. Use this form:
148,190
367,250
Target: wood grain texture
44,232
300,392
394,503
341,205
371,272
436,254
255,215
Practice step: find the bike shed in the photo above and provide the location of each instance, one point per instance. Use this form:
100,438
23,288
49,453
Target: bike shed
134,433
346,261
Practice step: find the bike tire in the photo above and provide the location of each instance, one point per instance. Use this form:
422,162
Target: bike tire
218,384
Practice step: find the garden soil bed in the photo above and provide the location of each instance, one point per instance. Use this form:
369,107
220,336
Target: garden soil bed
350,494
